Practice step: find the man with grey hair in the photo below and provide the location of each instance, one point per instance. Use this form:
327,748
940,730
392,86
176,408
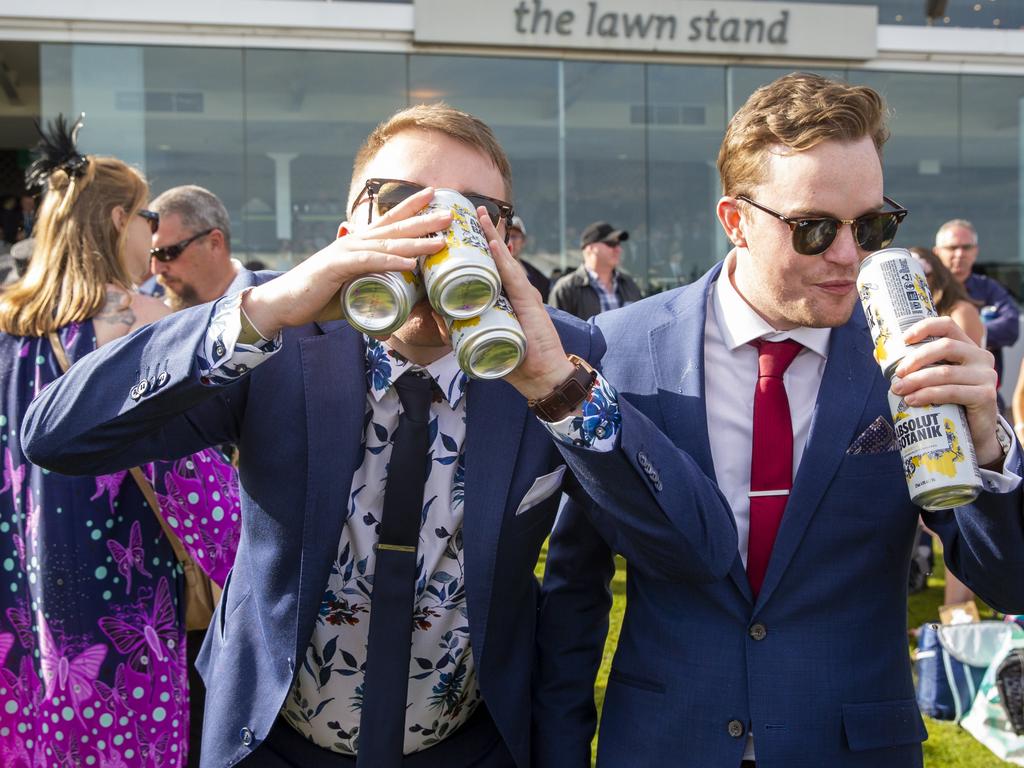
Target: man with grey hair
191,254
956,244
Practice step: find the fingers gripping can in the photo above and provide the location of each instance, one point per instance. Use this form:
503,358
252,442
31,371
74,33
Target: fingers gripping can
461,279
490,345
380,303
935,443
894,291
938,454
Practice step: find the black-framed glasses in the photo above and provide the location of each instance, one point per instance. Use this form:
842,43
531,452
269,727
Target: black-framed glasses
152,217
387,193
814,235
171,252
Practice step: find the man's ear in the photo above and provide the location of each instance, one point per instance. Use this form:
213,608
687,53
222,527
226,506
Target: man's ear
731,218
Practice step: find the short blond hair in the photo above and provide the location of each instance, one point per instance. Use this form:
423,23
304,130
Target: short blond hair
78,250
798,111
459,125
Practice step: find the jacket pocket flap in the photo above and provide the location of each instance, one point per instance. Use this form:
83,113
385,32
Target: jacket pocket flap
881,724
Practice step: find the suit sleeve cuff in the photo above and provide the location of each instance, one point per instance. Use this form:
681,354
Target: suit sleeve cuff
1009,479
598,426
222,357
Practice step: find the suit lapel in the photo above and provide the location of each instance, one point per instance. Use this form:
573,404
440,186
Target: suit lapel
678,346
333,372
495,418
849,375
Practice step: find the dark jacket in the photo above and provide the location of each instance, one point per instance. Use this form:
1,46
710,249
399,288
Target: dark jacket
537,279
574,294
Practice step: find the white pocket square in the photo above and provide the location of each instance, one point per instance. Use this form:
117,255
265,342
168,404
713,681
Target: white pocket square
542,488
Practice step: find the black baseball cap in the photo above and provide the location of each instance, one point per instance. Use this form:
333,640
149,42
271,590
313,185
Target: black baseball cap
602,232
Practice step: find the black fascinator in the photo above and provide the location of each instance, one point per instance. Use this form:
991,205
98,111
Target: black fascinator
56,150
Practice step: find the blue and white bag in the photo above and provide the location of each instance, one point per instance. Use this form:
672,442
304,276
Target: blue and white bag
951,662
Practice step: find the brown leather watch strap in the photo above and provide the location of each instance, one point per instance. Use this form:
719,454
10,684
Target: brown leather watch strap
568,395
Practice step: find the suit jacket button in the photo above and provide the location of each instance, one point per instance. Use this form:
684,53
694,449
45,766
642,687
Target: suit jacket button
735,728
246,736
758,631
162,378
642,460
142,386
134,392
657,485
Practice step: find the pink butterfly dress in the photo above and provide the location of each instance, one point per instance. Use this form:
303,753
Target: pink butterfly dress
92,639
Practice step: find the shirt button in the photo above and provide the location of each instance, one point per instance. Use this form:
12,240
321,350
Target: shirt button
758,631
246,736
735,728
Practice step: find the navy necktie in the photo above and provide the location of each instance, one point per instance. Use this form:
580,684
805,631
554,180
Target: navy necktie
389,647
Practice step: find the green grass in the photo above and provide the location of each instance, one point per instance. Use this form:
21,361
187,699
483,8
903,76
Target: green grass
948,746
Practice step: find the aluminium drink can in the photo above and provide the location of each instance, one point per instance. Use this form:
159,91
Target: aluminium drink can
938,454
893,289
490,345
380,303
461,279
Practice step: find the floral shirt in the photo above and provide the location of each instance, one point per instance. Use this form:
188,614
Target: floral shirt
326,696
93,667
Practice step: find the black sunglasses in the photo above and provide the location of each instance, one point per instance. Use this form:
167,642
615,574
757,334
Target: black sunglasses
814,235
171,252
152,217
387,193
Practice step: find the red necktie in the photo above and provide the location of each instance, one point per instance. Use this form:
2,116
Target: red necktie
771,460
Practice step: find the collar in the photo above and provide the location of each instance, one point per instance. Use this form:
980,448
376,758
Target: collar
739,324
593,275
384,365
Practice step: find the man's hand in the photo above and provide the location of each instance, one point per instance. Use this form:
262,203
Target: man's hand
952,369
310,291
546,365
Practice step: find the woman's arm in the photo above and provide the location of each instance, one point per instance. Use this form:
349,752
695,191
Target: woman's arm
967,317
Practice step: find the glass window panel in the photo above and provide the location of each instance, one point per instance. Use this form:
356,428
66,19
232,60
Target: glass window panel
306,115
990,168
685,121
921,158
518,99
606,157
191,113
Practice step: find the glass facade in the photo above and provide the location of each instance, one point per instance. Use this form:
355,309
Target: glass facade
274,132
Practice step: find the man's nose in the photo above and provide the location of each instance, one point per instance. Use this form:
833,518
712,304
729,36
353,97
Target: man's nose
844,249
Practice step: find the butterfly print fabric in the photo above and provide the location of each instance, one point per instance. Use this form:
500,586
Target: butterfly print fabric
92,641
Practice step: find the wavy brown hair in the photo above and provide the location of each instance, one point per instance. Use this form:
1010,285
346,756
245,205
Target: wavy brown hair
946,290
78,250
797,111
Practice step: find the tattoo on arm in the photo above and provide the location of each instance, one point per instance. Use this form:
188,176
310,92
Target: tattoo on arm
117,309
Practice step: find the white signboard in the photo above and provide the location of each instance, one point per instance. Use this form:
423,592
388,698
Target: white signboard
779,29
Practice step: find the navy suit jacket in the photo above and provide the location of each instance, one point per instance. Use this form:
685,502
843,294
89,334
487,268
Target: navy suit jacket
816,667
298,421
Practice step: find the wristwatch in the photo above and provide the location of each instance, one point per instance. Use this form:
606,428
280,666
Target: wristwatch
568,395
1005,439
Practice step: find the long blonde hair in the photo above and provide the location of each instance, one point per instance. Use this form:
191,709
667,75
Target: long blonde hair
78,250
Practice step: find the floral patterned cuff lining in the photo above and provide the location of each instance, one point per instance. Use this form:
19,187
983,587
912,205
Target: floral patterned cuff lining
223,358
598,427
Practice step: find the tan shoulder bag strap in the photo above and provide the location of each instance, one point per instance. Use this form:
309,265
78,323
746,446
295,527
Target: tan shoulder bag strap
144,485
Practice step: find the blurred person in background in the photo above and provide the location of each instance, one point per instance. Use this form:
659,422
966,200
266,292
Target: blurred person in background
516,244
92,637
956,243
191,253
598,284
950,298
